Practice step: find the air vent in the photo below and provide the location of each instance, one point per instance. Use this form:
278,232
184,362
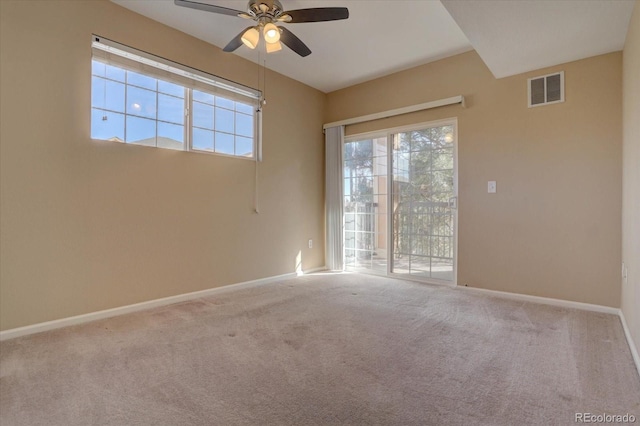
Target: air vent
546,89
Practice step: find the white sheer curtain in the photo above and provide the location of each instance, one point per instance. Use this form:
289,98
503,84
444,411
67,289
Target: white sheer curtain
334,137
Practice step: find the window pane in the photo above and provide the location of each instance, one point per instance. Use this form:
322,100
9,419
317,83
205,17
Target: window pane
141,131
244,125
442,159
170,136
170,89
244,108
350,257
224,103
141,102
442,269
170,109
202,97
360,152
224,143
202,139
107,125
98,68
115,96
350,240
107,94
141,80
98,92
115,73
244,146
224,120
202,115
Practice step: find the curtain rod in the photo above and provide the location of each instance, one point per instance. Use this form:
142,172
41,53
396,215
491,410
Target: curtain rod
398,111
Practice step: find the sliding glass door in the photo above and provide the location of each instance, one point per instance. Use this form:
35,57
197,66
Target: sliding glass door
400,203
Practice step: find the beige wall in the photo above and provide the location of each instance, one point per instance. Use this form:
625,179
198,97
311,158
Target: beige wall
92,225
553,228
631,176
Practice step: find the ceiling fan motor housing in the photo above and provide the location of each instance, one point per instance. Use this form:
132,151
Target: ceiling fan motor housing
269,9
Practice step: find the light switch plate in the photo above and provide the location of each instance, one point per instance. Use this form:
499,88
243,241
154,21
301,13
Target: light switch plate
492,187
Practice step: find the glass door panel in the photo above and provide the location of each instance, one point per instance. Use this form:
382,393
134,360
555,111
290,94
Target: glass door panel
365,204
423,194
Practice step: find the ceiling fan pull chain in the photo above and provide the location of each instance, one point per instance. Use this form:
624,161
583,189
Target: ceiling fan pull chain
260,78
264,82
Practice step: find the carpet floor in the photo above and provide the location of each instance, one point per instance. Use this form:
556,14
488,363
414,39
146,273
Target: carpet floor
325,349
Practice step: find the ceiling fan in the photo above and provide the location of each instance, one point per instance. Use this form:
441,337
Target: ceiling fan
267,13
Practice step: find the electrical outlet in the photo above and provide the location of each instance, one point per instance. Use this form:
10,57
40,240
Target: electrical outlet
310,243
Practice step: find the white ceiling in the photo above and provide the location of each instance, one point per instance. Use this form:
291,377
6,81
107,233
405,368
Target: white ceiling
380,37
385,36
513,37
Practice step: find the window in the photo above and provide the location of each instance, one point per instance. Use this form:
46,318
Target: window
141,99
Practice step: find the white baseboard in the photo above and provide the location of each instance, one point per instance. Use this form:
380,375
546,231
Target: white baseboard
314,270
632,346
93,316
545,300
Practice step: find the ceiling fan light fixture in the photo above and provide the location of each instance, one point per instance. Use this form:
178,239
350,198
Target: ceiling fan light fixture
274,47
271,33
267,14
251,37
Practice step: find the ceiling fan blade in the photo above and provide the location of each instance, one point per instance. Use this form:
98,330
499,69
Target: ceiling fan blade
208,7
318,14
236,42
293,42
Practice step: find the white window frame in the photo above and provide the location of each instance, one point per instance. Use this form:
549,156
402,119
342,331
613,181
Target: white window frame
130,59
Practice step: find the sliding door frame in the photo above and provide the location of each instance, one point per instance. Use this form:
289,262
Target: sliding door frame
389,133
